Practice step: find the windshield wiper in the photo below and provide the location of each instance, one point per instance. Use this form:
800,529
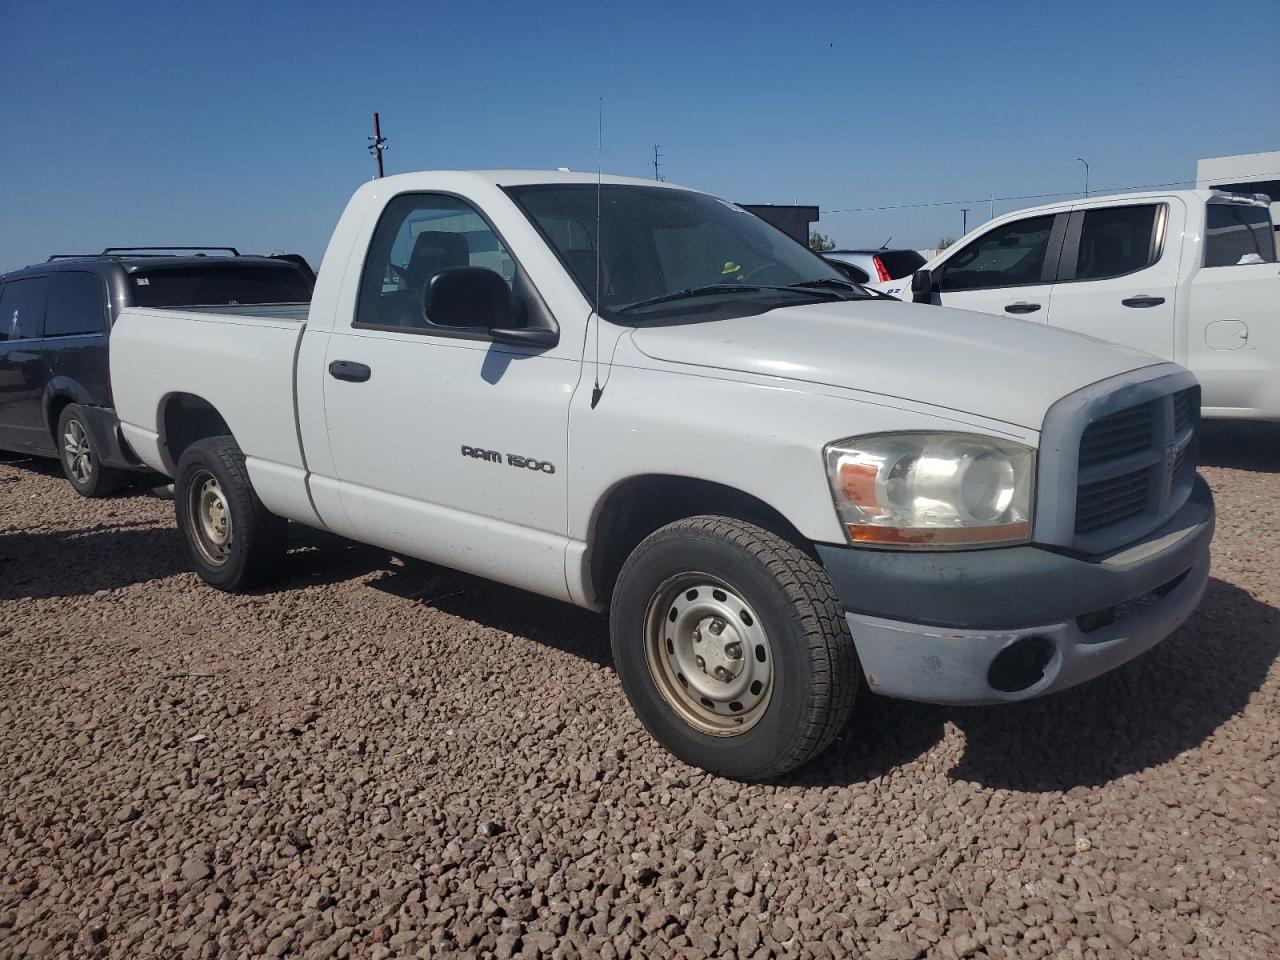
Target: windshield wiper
829,282
693,292
804,288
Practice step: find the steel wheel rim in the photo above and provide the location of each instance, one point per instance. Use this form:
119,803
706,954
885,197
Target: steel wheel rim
75,446
708,654
210,514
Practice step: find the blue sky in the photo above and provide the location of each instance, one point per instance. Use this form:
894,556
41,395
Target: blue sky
245,124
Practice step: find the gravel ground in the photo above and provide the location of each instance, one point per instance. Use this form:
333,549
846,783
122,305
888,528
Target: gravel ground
387,759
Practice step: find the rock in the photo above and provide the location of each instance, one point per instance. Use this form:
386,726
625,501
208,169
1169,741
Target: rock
194,870
127,814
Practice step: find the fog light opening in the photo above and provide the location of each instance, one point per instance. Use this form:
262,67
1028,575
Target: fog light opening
1021,664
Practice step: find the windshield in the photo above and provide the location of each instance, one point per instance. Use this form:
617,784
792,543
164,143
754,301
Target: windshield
668,251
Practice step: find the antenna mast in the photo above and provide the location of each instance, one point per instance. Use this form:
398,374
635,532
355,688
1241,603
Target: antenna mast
597,390
657,157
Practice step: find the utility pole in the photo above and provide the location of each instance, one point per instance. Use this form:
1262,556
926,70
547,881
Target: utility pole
1086,174
376,143
964,220
657,157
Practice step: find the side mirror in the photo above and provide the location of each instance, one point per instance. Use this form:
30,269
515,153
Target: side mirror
468,297
922,286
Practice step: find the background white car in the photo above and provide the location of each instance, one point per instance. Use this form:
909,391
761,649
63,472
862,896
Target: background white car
1186,275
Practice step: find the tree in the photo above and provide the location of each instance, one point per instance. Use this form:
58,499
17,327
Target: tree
820,243
946,242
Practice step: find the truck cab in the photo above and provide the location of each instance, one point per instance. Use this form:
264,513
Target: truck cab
1187,275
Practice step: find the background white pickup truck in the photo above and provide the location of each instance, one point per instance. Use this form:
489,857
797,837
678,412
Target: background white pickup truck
1188,275
633,396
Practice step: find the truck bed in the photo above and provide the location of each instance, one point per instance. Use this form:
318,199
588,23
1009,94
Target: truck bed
240,361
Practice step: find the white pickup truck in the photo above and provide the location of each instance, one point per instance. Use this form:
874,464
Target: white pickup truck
1188,275
640,398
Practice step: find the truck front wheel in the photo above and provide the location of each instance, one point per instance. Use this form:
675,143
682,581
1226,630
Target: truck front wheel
233,541
732,647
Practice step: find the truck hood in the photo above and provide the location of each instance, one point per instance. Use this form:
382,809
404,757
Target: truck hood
988,366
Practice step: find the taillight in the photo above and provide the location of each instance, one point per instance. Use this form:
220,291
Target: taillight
881,272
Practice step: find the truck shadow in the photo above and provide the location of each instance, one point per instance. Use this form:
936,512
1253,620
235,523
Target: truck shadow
72,563
548,622
1240,445
139,483
1148,712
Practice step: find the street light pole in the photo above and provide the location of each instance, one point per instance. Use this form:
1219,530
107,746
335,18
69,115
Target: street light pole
964,220
1086,174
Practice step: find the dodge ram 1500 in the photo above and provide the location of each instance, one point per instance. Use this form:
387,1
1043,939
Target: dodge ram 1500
639,398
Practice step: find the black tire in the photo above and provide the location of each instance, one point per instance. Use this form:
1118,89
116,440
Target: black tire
255,538
80,461
815,672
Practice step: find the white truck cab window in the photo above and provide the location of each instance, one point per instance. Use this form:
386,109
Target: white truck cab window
1236,234
1118,240
417,236
1012,255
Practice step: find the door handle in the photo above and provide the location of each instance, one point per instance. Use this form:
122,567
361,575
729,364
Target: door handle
349,370
1143,301
1022,307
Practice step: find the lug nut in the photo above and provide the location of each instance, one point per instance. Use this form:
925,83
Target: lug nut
733,651
723,675
697,635
717,627
702,664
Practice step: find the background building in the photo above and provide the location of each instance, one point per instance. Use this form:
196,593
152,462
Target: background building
790,219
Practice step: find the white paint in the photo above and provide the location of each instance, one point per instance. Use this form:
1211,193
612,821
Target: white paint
1236,383
748,403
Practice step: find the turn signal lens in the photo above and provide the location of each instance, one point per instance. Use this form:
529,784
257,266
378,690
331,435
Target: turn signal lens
932,490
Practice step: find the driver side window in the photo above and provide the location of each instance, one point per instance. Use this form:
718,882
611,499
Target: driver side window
1012,255
417,236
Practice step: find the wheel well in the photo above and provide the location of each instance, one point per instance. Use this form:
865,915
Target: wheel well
639,506
57,404
186,419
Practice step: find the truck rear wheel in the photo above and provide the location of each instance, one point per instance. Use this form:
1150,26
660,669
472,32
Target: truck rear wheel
233,541
80,461
732,647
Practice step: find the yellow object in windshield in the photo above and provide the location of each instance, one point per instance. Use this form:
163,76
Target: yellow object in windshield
730,267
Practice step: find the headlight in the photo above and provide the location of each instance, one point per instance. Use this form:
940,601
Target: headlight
932,490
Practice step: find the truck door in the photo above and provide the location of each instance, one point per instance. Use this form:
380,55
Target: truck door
1119,275
447,446
1233,318
24,369
1008,270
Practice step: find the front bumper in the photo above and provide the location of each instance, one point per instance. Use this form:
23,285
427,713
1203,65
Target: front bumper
991,626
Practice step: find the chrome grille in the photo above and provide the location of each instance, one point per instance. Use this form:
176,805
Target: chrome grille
1136,462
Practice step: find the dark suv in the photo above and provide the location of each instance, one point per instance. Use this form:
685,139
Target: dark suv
55,320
